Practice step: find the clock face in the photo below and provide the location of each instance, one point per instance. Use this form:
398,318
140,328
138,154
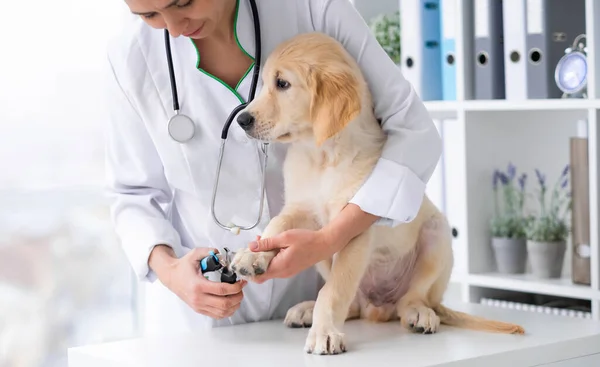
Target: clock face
572,72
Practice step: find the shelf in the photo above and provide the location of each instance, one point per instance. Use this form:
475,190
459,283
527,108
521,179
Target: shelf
442,109
531,105
562,287
449,109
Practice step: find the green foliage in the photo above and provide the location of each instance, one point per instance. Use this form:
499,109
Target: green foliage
550,224
509,220
386,28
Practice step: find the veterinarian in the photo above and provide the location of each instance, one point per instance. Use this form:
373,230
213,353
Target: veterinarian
161,173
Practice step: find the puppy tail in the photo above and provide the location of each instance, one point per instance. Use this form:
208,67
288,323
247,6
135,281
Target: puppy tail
466,321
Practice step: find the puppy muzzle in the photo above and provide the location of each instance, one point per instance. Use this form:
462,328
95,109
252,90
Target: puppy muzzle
245,120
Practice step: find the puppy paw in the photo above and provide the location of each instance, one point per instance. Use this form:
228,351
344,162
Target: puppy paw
324,341
420,320
247,264
300,315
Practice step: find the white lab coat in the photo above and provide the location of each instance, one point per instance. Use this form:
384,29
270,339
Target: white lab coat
162,189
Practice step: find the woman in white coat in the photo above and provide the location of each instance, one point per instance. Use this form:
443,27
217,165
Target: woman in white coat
162,189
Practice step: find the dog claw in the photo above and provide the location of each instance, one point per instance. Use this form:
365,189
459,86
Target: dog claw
325,342
249,264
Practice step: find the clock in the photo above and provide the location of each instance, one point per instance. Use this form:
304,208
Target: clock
571,71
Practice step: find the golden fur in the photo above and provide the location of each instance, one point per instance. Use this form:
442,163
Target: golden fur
316,99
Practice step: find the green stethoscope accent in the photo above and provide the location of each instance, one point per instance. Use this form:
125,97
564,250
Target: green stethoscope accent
233,90
182,129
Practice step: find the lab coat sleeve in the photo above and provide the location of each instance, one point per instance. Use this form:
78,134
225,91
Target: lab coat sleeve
136,182
394,191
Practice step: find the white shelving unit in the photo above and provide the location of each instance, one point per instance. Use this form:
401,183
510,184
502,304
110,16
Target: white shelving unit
477,134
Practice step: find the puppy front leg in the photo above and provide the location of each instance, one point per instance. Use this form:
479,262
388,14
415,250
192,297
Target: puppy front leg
335,298
248,264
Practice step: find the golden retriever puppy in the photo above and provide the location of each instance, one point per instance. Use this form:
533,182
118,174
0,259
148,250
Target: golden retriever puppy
316,99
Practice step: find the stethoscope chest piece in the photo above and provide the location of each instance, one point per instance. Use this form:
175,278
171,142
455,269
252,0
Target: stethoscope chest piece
181,128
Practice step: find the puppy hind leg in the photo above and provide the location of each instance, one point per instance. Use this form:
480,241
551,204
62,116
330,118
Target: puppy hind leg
335,298
301,315
414,309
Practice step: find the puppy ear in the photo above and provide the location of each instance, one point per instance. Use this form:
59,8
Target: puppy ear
335,100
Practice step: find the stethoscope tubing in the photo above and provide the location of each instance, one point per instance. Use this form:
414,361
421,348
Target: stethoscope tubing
234,112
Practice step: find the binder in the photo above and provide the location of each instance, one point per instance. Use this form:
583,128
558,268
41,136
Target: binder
448,24
421,50
515,59
580,218
552,25
489,49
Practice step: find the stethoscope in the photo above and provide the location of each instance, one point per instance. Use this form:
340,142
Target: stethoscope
182,129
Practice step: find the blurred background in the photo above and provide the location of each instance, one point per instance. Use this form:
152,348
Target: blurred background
63,279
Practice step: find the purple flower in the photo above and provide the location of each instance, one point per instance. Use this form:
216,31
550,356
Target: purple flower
565,171
496,177
541,178
512,171
522,181
503,178
564,183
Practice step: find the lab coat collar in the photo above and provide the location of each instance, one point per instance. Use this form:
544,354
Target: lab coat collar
244,27
185,54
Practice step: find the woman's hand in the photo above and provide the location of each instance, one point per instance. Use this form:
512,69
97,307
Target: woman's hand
299,249
183,277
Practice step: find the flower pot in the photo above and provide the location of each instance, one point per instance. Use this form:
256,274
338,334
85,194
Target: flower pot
546,258
511,254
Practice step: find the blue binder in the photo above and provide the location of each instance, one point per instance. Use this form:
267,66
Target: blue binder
448,53
421,47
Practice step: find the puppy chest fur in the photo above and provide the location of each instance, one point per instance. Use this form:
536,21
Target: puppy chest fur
322,183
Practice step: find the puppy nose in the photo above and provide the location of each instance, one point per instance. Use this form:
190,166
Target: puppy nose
245,120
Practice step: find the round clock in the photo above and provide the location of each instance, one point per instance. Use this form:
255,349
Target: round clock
571,71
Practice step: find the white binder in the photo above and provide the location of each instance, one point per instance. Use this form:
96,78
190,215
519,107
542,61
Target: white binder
515,48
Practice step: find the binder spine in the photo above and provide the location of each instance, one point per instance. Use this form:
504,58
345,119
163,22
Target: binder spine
538,67
431,70
448,52
514,24
489,50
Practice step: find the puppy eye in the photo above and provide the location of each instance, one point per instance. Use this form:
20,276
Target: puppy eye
282,84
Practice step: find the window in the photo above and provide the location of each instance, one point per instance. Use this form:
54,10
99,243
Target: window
63,278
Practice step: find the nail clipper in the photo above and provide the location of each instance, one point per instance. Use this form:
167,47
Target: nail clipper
214,262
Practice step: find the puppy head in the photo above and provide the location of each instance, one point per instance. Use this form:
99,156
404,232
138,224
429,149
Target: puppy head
310,91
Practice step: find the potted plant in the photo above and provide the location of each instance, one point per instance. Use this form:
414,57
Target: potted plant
547,232
386,29
508,224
